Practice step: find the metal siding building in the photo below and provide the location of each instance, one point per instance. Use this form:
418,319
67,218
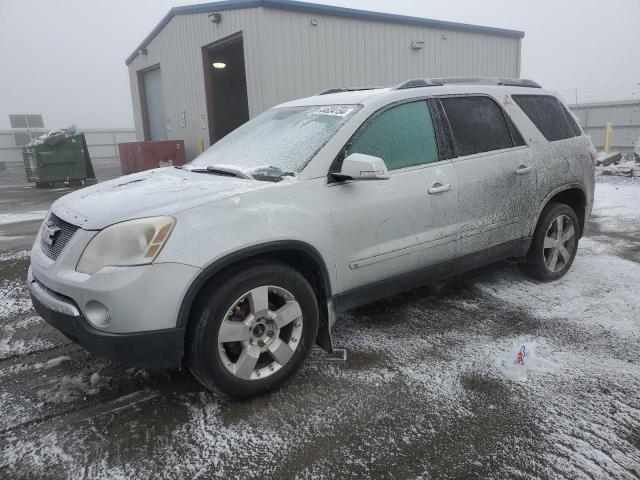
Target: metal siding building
295,49
624,115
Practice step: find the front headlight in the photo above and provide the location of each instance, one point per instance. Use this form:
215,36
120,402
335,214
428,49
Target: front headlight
135,242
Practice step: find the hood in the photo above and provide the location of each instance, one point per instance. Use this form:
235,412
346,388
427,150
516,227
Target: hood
164,191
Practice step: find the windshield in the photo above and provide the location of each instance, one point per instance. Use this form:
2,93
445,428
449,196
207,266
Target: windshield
279,142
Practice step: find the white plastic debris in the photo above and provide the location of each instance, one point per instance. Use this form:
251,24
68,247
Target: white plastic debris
518,361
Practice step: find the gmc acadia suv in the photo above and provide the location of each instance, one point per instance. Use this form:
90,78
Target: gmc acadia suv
239,262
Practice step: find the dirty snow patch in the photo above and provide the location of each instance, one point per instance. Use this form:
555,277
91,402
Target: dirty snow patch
54,362
583,295
5,238
7,218
41,452
14,341
69,388
588,293
12,256
14,299
616,206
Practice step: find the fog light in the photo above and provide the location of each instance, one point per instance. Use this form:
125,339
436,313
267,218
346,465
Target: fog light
97,314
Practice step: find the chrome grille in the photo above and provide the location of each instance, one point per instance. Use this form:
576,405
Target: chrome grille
62,238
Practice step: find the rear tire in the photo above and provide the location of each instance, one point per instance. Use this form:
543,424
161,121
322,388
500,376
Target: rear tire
253,328
554,244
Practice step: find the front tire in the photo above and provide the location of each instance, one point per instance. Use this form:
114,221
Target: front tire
554,245
254,326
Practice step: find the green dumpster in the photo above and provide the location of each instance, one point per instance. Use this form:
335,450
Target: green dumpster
67,160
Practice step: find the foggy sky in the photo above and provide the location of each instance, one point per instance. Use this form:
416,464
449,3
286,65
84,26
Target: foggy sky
65,58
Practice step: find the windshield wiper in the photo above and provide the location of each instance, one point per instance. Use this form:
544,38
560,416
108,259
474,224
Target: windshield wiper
271,173
266,173
230,171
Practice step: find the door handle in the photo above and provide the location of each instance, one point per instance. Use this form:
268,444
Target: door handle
439,188
523,170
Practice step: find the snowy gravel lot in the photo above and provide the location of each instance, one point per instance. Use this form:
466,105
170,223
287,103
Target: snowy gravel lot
421,395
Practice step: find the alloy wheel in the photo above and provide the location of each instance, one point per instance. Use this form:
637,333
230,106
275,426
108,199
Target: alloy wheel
559,243
260,333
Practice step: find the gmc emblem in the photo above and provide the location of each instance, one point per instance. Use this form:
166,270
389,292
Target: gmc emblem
49,234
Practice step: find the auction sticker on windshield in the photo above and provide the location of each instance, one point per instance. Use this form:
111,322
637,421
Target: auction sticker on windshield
336,111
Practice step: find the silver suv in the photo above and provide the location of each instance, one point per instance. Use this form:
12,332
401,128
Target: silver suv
239,262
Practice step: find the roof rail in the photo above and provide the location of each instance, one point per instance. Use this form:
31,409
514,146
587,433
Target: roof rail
510,82
438,82
347,89
417,83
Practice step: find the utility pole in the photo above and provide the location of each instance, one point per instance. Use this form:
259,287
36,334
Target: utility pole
576,96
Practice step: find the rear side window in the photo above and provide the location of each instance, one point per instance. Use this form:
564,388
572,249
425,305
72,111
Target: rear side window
478,125
403,136
549,115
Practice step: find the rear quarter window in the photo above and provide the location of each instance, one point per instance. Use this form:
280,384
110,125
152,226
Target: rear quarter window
549,115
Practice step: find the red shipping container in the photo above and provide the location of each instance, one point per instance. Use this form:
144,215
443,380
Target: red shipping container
139,156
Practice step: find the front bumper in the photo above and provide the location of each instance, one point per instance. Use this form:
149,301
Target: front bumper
151,349
137,299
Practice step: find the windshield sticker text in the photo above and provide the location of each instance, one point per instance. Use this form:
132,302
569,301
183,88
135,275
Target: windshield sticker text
334,110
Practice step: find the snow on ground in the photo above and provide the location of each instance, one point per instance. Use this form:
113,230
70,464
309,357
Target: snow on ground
14,299
49,451
69,388
5,257
7,218
619,198
17,320
422,394
8,238
617,205
54,362
601,296
16,338
600,289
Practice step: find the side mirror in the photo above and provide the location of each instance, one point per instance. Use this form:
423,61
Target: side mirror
359,166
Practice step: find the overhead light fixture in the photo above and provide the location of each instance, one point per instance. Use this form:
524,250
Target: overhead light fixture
215,17
219,65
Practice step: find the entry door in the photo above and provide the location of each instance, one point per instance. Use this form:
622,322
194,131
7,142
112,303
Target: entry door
392,228
154,103
495,200
496,175
226,81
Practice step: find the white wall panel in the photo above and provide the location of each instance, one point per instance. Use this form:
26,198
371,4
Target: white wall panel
286,57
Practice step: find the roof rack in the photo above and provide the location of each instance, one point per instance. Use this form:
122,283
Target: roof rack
348,89
438,82
417,83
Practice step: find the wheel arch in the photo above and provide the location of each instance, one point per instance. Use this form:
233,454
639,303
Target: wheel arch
298,255
572,195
